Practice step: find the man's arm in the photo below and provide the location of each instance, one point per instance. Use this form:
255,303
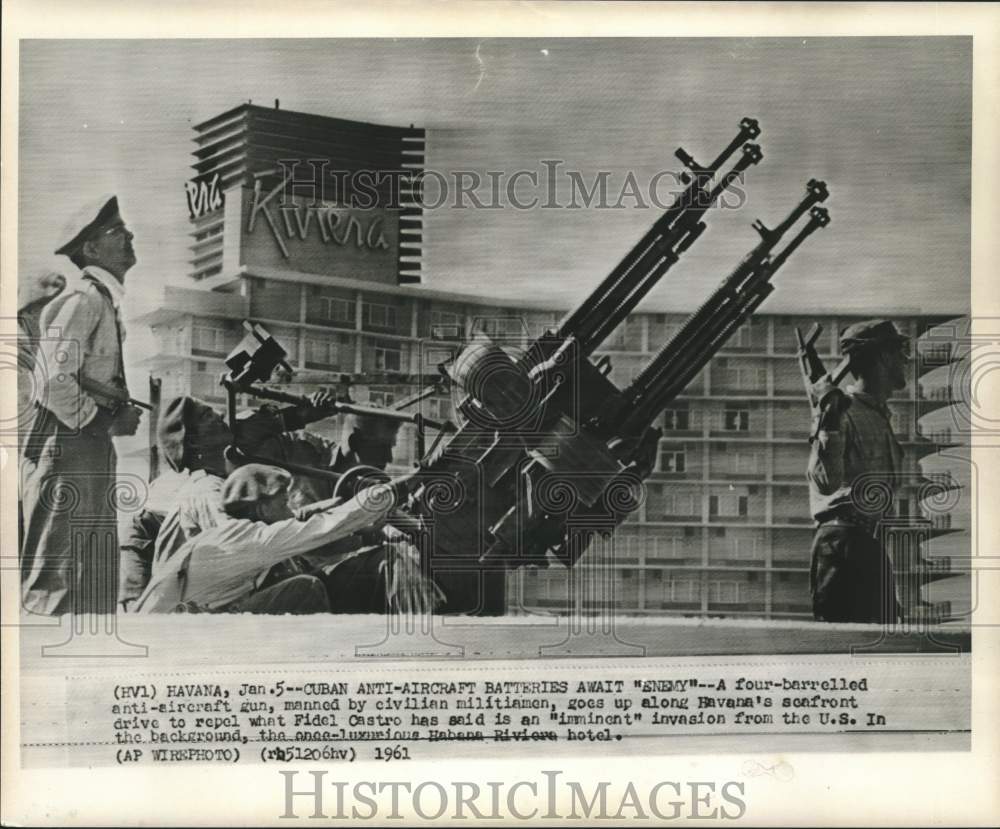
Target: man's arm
137,556
67,326
826,468
239,549
269,421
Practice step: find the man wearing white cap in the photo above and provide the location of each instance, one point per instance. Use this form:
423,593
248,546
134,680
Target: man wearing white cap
69,546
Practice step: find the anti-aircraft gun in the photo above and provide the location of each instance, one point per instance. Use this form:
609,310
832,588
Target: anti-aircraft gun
546,433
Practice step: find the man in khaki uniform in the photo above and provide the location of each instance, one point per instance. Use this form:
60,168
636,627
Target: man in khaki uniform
69,547
855,448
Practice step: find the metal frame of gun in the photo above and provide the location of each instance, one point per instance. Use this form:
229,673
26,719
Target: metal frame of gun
252,362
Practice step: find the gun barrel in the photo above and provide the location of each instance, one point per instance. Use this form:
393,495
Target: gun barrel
604,301
659,257
340,408
705,331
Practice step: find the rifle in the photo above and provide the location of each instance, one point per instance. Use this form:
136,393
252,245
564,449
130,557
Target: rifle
826,399
111,392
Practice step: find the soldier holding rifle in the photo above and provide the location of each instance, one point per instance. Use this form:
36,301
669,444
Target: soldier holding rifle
854,449
81,403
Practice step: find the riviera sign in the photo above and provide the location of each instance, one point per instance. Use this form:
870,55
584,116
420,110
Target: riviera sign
294,222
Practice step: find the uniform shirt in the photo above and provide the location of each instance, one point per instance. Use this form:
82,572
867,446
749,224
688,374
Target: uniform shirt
80,333
219,565
854,471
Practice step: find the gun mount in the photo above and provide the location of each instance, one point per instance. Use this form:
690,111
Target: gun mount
546,433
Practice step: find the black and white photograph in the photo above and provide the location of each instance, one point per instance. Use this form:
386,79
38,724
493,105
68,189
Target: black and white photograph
393,410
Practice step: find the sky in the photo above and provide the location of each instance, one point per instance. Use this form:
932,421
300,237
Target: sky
886,122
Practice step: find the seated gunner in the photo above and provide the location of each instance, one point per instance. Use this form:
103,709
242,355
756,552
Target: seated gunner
217,570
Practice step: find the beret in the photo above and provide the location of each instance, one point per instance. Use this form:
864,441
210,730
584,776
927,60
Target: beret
177,421
863,335
251,484
81,225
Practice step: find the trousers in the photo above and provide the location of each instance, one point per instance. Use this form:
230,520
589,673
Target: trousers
69,538
851,577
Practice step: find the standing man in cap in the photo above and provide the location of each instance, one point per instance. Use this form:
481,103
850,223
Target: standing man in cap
854,450
69,550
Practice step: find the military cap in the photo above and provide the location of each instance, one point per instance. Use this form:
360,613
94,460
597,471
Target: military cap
871,333
371,424
80,227
177,423
251,484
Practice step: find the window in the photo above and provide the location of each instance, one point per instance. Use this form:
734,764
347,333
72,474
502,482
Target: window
677,420
436,408
746,547
673,459
336,309
670,330
937,354
743,336
728,506
747,378
200,366
323,351
726,592
679,503
388,357
622,335
744,463
681,590
377,315
385,399
207,338
446,325
501,327
662,546
735,419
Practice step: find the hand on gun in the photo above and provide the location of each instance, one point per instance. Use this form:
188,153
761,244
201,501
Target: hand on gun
408,589
400,488
321,404
126,421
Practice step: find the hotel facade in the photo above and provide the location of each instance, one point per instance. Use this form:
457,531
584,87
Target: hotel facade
724,528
